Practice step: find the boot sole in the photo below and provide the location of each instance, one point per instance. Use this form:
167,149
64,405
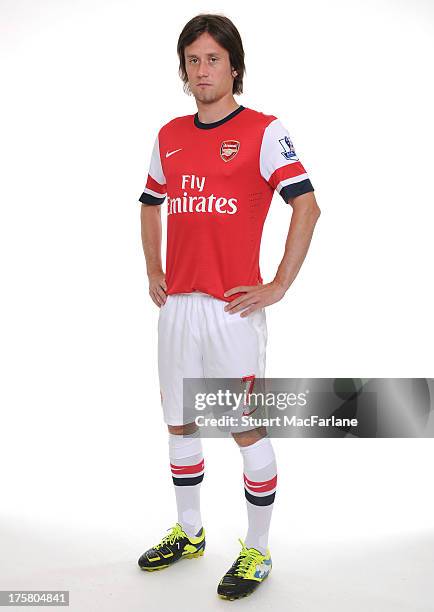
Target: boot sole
241,595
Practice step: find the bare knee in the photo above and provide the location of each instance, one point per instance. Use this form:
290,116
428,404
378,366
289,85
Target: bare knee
182,430
246,438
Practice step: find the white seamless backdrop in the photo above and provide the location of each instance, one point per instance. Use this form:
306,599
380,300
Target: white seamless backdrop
86,84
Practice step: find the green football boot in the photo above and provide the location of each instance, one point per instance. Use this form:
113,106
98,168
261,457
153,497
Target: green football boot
174,546
247,572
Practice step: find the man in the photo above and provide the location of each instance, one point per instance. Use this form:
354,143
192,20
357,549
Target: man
218,169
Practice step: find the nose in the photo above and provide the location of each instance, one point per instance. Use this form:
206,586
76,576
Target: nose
202,70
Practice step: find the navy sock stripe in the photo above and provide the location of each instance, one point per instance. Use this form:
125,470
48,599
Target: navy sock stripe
187,482
266,500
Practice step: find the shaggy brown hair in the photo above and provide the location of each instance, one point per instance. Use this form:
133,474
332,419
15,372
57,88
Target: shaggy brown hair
224,33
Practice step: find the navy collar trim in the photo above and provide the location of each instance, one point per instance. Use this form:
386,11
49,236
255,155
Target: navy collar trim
209,126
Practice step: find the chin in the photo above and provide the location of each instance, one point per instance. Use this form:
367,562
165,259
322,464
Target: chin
205,98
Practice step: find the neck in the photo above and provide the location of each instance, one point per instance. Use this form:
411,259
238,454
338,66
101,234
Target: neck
214,111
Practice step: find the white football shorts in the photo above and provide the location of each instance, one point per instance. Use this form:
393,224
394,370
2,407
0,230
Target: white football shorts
197,338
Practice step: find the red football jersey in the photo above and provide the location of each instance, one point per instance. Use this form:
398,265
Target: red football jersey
219,180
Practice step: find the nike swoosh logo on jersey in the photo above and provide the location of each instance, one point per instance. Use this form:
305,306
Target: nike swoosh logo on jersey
168,154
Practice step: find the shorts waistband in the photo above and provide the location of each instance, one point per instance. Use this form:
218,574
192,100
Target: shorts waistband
193,293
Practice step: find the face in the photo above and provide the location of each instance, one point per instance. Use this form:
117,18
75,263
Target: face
208,69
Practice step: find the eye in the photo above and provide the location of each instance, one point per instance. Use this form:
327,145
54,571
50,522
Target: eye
214,58
193,59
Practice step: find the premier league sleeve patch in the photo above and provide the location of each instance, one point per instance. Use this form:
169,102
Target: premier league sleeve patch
288,149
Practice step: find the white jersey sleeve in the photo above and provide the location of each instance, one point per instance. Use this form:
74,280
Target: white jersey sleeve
155,189
279,164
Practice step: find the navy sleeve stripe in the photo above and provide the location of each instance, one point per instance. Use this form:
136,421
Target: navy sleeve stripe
146,198
296,189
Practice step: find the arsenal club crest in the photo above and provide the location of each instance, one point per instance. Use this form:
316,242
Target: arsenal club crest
228,149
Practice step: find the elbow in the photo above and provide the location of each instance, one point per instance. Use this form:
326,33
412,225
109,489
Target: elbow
313,214
307,204
316,211
313,211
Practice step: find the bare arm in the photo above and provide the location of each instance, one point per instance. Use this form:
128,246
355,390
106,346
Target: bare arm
303,221
150,218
